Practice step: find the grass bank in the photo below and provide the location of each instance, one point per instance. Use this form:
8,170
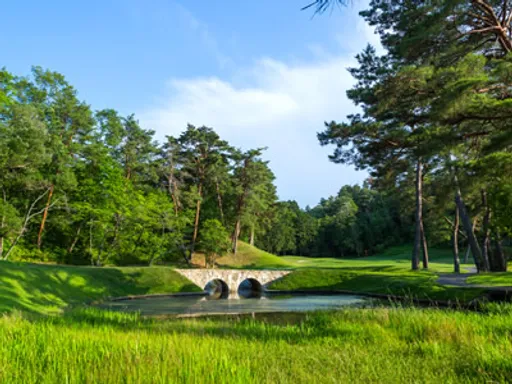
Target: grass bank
502,279
383,345
420,285
47,289
250,257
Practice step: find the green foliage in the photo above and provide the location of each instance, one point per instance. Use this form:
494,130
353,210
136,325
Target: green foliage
356,222
214,240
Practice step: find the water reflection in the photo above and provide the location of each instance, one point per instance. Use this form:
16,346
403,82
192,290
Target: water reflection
234,304
250,288
217,289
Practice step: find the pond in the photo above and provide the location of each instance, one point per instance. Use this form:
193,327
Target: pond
196,305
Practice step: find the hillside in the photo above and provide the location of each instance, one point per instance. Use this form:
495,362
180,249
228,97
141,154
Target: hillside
248,256
47,289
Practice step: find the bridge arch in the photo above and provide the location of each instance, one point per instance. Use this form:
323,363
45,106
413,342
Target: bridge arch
250,287
217,288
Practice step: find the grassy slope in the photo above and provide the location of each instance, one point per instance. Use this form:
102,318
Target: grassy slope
388,273
248,256
383,345
48,289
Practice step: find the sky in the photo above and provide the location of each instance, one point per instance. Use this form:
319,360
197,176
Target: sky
262,73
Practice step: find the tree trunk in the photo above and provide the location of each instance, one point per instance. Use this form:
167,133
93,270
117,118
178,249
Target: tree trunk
236,233
172,187
75,240
45,216
251,238
183,251
28,216
500,255
417,238
219,201
486,232
172,191
115,238
2,224
455,239
424,247
468,228
468,250
196,221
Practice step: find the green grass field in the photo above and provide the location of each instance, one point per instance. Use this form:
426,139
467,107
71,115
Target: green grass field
417,285
502,279
393,259
393,344
388,273
47,289
383,345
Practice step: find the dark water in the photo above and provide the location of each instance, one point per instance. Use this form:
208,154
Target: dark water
205,305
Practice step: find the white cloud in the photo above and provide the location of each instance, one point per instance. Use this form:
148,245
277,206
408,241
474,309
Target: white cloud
280,106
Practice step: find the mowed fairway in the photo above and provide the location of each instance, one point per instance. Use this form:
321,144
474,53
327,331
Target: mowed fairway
388,273
393,259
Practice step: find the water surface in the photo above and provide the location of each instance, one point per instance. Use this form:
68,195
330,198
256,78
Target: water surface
205,305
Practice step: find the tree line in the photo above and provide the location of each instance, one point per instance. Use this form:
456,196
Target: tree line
84,186
93,187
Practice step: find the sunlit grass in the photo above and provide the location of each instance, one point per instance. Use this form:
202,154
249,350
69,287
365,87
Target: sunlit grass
393,259
47,289
492,279
419,285
249,257
384,345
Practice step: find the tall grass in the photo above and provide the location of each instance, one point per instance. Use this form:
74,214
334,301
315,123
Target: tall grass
387,345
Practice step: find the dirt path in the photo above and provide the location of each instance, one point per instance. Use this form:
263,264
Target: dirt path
458,280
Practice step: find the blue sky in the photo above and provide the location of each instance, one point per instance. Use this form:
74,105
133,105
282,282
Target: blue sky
260,72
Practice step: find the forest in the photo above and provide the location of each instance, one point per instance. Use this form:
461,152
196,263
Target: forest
93,187
84,186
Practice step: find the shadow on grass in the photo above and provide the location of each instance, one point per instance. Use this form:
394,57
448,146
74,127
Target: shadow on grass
293,328
44,289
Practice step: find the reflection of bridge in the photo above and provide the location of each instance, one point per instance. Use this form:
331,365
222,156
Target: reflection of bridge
231,279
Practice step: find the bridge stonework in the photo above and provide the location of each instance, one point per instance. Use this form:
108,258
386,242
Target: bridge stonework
232,277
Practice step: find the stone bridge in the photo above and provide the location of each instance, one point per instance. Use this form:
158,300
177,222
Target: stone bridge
230,279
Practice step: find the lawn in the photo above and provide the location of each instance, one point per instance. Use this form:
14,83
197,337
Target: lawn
417,285
47,289
393,259
501,279
382,345
387,273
